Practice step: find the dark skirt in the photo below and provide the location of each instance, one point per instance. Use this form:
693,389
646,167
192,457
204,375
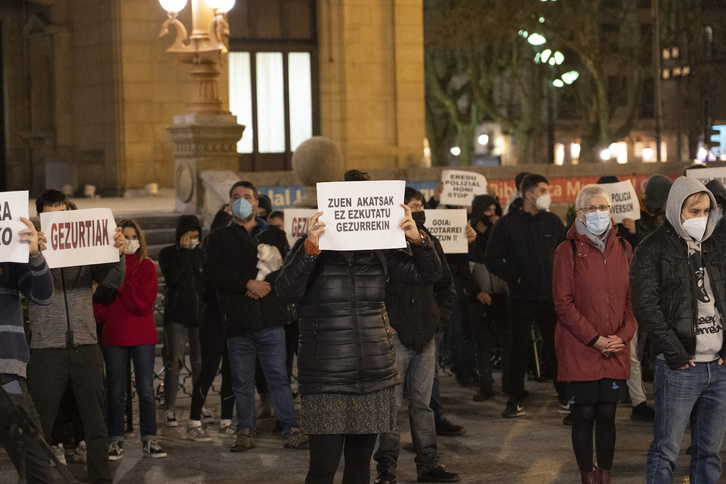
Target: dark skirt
604,390
343,413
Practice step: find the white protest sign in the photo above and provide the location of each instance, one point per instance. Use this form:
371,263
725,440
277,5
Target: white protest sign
296,223
624,201
361,215
13,205
79,237
460,187
705,175
448,227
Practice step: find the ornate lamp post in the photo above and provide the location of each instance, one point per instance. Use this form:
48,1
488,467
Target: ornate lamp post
206,135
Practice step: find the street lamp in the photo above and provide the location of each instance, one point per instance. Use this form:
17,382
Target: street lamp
203,48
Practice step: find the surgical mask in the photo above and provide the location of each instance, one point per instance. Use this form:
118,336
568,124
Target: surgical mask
419,218
695,227
193,243
132,246
543,202
241,208
598,221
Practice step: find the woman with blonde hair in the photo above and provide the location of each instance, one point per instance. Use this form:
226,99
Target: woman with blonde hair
129,334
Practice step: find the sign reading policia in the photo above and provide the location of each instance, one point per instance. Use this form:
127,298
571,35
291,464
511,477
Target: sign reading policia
79,237
624,201
13,205
361,215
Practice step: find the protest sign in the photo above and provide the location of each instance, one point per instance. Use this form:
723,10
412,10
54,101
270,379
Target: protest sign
13,205
79,237
296,223
448,227
624,201
460,187
361,215
705,175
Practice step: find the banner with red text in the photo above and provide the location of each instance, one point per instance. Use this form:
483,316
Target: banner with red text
296,223
79,237
13,205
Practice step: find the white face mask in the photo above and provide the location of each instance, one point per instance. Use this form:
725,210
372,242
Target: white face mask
543,202
597,222
695,227
193,243
132,246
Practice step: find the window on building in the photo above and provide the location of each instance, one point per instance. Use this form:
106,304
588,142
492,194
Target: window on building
618,90
647,104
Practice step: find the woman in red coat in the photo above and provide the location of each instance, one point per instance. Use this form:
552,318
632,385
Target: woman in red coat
591,289
129,334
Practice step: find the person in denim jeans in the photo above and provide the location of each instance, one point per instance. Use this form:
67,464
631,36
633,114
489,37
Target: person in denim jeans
129,334
679,298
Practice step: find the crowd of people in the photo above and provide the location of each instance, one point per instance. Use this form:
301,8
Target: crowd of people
370,327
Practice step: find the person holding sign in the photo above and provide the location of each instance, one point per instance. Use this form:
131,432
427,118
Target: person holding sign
129,334
34,280
595,324
346,363
64,345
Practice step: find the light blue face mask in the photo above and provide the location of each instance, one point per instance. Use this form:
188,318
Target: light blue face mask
241,208
598,221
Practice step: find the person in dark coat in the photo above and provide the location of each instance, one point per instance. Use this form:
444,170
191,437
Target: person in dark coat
719,193
594,327
182,266
346,363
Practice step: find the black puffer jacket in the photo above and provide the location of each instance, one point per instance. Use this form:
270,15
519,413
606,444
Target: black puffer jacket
416,312
663,289
345,340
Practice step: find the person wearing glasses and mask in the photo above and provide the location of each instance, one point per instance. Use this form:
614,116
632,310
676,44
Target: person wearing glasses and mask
591,290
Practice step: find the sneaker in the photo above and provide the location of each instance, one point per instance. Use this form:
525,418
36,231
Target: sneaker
115,450
564,407
228,430
244,441
81,453
483,395
60,453
171,419
385,477
568,420
206,415
513,410
439,474
296,440
197,434
446,428
153,449
643,413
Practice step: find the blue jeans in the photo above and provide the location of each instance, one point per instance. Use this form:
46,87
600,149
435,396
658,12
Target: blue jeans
696,394
117,363
267,344
435,403
176,336
417,371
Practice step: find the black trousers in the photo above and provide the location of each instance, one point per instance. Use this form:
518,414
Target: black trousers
522,314
37,460
49,372
491,324
325,451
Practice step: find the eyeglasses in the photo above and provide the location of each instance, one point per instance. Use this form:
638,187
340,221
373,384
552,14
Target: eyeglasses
592,208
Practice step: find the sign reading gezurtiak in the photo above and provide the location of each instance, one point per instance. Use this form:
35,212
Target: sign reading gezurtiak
361,215
79,237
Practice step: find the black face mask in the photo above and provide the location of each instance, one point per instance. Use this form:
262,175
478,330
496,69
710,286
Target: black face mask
486,220
419,218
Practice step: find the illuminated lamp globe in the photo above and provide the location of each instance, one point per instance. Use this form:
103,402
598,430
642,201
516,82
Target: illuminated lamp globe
221,6
456,151
173,6
605,155
647,154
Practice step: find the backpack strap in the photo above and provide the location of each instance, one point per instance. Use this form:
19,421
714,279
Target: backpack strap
625,249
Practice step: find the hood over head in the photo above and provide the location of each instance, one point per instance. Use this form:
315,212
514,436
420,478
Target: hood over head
607,179
480,204
718,190
683,188
656,192
187,223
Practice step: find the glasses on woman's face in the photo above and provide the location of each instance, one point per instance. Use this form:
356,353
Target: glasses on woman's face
592,208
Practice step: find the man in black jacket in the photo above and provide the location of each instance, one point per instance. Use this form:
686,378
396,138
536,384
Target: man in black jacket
252,314
677,281
415,312
521,251
182,266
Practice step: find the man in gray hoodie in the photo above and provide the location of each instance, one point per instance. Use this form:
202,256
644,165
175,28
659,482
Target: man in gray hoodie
64,346
679,297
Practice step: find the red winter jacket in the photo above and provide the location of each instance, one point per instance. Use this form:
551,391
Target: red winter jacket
129,319
592,300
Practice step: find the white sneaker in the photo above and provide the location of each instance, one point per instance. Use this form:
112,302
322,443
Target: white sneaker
171,419
198,434
153,450
228,430
115,450
81,453
206,415
60,453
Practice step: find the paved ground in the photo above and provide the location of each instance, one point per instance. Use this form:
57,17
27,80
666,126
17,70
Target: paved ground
532,449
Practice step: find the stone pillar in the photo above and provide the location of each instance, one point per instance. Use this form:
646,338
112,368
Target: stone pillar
202,142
